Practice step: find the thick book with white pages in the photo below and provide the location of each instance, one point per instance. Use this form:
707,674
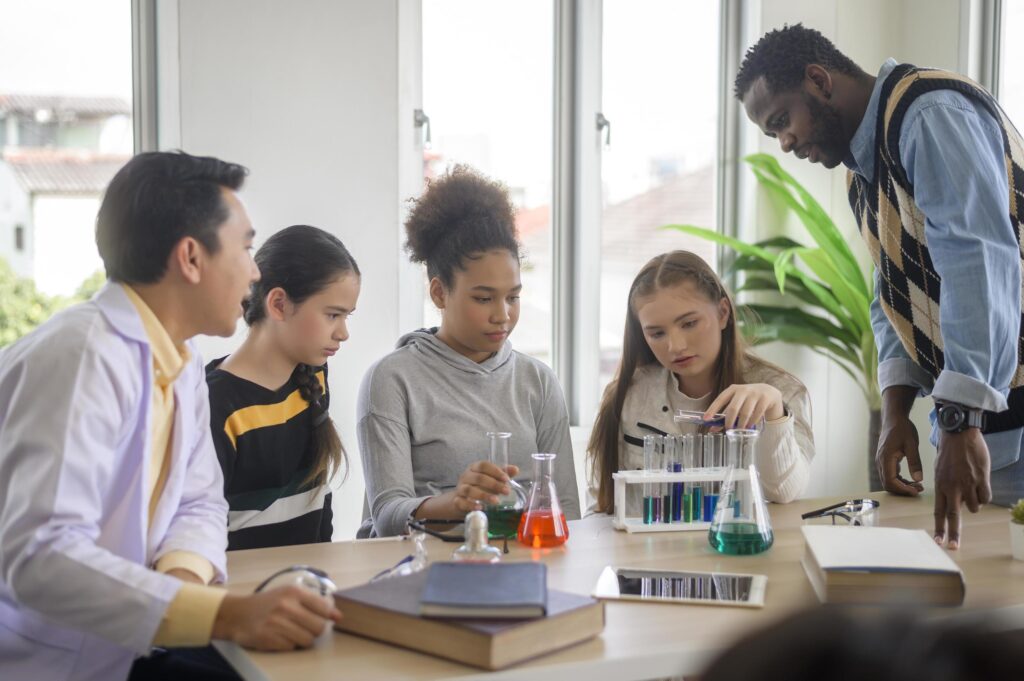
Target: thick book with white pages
880,565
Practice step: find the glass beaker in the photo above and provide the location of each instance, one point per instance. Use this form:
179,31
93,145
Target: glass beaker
543,525
741,526
503,517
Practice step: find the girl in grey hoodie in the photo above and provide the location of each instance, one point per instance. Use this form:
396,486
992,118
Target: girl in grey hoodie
424,409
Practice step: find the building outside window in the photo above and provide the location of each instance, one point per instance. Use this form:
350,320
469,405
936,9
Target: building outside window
65,129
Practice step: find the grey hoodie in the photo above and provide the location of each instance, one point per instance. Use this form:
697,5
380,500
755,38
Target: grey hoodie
422,415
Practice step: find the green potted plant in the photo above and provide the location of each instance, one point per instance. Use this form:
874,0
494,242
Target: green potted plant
1017,529
825,295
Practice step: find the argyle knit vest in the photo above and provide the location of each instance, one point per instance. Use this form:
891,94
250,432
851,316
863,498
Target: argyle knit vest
894,227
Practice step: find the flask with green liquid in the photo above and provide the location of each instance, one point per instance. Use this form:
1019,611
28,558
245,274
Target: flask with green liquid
503,517
741,524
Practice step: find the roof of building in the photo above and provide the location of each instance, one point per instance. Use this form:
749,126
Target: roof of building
63,106
62,171
629,228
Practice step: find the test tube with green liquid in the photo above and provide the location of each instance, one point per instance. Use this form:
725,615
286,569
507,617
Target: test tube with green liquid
650,448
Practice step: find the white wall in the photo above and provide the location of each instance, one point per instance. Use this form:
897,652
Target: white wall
315,97
925,32
64,250
14,210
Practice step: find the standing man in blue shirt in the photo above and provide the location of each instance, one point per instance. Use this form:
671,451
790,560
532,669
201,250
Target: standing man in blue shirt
935,182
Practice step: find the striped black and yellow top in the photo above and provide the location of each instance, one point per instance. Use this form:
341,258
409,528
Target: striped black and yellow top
263,439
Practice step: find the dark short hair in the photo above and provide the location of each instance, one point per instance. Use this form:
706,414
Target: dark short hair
460,215
154,201
782,56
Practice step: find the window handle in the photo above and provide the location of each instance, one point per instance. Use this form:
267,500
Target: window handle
605,125
422,120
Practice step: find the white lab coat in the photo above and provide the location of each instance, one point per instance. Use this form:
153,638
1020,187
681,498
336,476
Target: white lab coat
78,597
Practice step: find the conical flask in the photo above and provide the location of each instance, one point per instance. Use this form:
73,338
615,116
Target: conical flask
741,525
543,525
503,517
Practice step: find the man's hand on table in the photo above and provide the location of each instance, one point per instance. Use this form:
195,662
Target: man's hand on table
280,619
898,440
961,477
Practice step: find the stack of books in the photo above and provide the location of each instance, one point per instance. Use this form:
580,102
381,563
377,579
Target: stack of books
488,616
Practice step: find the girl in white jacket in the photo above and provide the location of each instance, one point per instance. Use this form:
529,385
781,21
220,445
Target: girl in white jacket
682,350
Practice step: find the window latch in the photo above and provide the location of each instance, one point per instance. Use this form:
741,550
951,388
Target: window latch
422,120
605,125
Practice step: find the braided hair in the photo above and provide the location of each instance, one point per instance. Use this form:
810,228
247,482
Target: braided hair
302,261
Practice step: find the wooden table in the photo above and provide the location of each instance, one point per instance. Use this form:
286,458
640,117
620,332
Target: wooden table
640,641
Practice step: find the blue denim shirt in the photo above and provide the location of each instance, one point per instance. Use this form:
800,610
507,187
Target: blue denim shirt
952,151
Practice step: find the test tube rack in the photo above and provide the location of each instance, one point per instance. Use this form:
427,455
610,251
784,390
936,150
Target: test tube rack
634,524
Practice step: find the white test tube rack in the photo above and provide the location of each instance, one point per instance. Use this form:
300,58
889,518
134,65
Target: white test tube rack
635,524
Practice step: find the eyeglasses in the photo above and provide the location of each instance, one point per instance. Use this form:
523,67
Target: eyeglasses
453,534
856,512
307,576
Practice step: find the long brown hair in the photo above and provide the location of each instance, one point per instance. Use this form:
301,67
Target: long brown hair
664,271
303,260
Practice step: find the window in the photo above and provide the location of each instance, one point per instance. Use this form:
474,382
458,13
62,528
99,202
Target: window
66,117
660,167
490,97
487,88
1011,63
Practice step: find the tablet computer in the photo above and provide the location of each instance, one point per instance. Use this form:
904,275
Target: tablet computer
674,586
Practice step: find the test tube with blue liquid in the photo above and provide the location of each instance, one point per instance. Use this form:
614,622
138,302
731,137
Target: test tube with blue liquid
714,456
668,455
687,464
696,497
650,448
677,487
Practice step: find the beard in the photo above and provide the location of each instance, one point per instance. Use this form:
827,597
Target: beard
827,133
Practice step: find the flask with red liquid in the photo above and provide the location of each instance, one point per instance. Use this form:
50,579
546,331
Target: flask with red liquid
543,525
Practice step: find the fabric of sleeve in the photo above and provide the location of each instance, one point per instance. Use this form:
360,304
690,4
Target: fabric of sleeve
186,560
60,465
189,619
786,446
954,157
200,522
227,454
553,436
386,452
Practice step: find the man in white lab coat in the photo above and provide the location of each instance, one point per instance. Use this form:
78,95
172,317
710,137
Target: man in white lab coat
112,515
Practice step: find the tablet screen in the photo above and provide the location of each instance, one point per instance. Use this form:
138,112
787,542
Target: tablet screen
714,588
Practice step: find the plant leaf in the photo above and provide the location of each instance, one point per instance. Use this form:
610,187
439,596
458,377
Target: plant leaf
815,220
855,302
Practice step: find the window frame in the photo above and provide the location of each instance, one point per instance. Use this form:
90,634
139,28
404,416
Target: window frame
576,195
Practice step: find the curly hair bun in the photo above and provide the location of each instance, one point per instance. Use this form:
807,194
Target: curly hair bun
460,214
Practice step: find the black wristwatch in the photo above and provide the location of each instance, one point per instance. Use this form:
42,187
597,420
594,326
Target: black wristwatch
956,418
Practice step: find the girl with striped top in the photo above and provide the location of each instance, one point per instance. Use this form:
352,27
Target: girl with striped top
269,399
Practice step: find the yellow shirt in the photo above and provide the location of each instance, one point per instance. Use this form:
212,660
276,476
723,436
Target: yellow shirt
190,616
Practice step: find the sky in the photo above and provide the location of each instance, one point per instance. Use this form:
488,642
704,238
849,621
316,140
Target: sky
74,47
487,87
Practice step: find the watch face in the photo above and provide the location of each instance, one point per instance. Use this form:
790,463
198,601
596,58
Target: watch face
951,417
